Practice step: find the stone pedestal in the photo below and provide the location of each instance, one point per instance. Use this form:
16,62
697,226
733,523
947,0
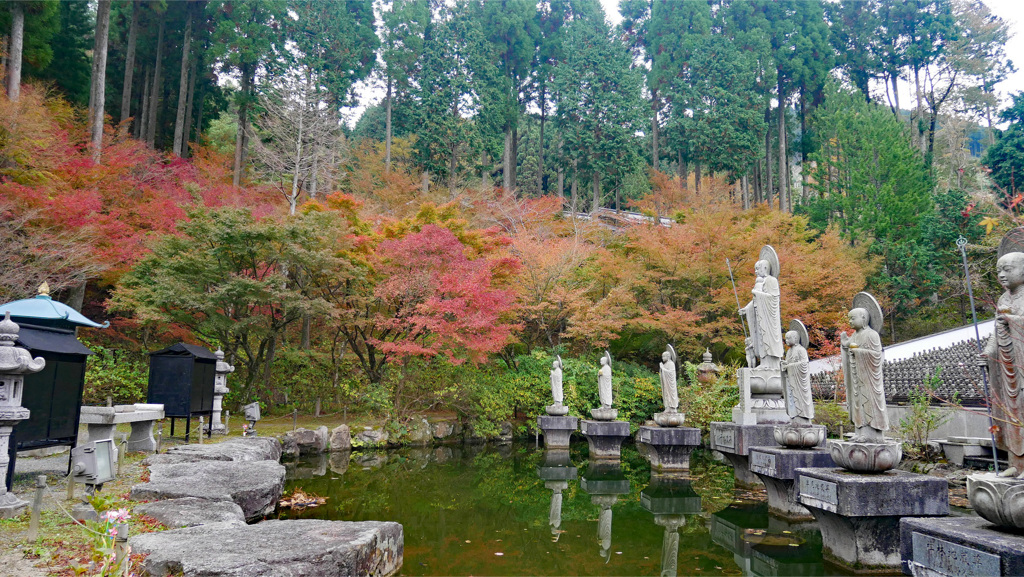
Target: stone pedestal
761,399
956,546
557,430
859,514
734,441
776,467
668,448
605,438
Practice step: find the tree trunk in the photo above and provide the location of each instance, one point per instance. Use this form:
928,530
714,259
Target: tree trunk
180,128
515,156
294,196
199,113
894,79
696,176
654,132
99,78
157,91
142,122
561,182
506,161
540,150
189,104
17,42
574,187
129,65
768,166
596,184
387,127
681,170
425,183
746,193
922,144
783,157
243,126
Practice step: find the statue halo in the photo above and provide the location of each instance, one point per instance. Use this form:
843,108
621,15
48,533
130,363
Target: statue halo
863,300
768,253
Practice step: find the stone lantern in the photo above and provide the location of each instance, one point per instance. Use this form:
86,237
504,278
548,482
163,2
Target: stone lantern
707,371
15,363
220,388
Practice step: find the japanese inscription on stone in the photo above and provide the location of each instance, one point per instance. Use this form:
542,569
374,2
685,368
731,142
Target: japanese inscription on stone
948,558
645,436
763,463
725,438
824,491
723,534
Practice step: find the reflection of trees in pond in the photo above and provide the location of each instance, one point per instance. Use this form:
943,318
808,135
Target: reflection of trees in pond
712,480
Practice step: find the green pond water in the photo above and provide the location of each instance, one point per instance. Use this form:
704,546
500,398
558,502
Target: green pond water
519,510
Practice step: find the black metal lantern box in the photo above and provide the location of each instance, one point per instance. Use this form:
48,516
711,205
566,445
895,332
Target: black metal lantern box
181,379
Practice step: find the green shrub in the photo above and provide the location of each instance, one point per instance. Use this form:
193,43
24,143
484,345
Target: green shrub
834,416
120,374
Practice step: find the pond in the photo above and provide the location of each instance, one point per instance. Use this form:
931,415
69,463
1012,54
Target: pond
519,510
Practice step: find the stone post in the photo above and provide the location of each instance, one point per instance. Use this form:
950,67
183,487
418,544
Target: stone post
220,388
15,363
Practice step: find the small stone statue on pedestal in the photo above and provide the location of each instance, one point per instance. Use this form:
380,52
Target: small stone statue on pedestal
1000,499
604,391
799,432
868,451
671,417
557,409
15,363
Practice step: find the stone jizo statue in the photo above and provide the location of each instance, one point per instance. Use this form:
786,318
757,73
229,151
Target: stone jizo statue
556,380
799,404
1004,358
862,372
604,381
764,317
669,385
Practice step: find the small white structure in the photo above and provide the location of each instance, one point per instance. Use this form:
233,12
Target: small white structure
102,421
220,388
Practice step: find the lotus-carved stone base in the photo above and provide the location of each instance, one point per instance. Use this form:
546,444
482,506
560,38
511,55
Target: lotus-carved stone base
800,436
602,414
670,419
866,457
999,500
557,410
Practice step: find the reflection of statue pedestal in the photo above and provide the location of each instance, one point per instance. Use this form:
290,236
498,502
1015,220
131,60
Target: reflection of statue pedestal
670,499
668,448
734,441
761,399
859,514
955,546
605,437
556,466
557,430
776,467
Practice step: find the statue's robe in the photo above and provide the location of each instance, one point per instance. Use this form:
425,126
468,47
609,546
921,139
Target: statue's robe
798,384
669,390
556,386
1005,352
604,386
862,371
765,319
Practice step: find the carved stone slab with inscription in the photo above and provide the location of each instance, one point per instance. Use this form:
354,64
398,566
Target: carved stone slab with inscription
959,546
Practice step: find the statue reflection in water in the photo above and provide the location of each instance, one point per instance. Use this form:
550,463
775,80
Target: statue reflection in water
556,472
670,499
604,482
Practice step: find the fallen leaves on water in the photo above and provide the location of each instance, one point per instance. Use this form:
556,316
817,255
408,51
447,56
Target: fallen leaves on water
301,500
